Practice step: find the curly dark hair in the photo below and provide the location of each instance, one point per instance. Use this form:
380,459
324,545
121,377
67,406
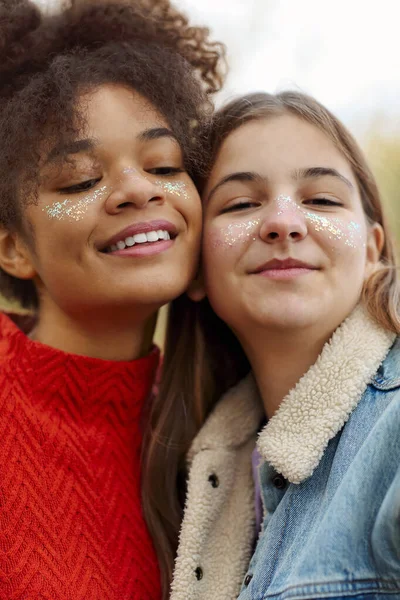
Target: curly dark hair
48,60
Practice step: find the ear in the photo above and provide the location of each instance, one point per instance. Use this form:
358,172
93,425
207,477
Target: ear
15,257
375,242
196,290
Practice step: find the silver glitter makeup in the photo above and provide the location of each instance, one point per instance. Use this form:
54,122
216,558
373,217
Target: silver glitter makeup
129,171
73,210
286,204
237,233
178,188
336,228
348,233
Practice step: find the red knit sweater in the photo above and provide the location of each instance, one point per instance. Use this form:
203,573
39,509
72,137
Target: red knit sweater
71,524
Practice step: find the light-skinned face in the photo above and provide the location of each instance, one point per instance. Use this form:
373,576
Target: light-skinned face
117,222
286,243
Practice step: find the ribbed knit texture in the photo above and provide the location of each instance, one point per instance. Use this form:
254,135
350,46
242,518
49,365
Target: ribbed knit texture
71,524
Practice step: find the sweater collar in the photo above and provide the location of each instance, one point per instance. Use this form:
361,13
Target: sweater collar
70,379
313,412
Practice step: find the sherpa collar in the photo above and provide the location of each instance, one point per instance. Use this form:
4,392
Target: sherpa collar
235,419
314,411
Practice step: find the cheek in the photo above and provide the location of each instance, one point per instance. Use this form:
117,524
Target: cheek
223,247
59,247
231,237
187,199
74,209
340,237
216,256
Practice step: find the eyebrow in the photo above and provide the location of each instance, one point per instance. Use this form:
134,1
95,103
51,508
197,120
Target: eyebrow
156,133
88,145
308,173
317,172
74,147
239,176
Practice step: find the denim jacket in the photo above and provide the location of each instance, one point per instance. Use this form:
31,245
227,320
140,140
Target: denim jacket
337,534
330,485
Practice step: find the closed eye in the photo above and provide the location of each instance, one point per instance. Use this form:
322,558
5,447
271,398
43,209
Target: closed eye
238,206
165,171
322,202
79,187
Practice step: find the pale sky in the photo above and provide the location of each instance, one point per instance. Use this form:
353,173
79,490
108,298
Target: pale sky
346,52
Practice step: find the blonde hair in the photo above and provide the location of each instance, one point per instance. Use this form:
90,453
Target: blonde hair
202,357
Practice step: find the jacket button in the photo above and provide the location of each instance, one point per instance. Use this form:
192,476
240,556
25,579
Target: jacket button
199,573
213,479
279,482
248,579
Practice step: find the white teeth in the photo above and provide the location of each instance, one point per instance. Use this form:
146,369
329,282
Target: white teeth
140,238
152,236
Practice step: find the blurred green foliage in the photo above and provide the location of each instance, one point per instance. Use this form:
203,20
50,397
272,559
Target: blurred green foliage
383,153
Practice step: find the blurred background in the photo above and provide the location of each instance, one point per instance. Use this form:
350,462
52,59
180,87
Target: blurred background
345,53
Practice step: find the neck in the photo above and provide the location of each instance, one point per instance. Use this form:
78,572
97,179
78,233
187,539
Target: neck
119,335
279,360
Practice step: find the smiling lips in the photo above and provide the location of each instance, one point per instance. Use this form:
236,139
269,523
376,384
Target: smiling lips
142,239
284,269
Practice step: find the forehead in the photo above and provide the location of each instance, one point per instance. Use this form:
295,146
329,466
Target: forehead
118,108
110,117
275,147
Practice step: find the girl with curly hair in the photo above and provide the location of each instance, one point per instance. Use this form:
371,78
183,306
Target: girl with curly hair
100,226
293,353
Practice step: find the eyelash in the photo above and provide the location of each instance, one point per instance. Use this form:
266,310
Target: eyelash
322,202
238,206
84,186
89,183
165,171
311,202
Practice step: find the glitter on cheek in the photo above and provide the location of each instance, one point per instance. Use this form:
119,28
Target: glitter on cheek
237,233
177,188
349,234
355,236
71,209
336,229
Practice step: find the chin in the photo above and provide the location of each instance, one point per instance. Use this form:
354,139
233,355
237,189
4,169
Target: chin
292,314
160,294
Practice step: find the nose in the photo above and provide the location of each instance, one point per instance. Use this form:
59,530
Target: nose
283,223
135,191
